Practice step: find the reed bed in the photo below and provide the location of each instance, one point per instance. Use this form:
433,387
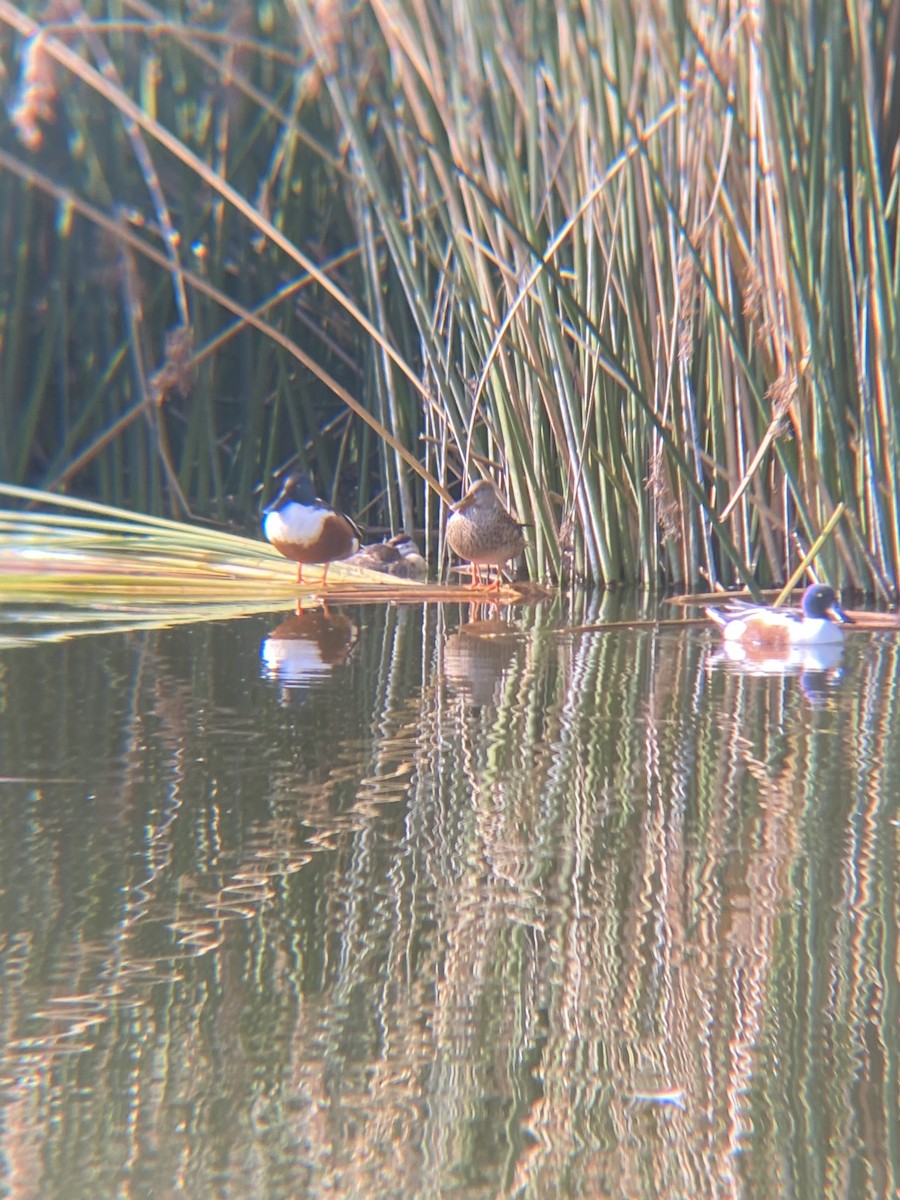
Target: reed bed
637,264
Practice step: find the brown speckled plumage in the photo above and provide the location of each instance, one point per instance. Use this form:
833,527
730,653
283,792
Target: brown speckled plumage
482,531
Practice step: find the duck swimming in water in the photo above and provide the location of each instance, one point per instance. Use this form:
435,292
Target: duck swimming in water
817,623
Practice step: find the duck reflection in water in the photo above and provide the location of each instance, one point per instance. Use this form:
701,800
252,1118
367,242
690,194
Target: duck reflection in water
762,661
477,657
306,648
819,667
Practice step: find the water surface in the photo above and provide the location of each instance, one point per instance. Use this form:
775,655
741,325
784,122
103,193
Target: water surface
408,902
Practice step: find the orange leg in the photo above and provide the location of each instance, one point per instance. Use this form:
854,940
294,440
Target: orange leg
299,572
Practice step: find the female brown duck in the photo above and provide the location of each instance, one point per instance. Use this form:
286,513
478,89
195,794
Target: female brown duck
482,531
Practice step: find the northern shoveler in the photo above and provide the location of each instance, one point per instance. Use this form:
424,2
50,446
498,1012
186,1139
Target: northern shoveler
482,531
414,564
816,623
398,556
306,529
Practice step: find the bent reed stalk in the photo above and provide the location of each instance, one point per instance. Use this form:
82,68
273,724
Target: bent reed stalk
637,267
88,551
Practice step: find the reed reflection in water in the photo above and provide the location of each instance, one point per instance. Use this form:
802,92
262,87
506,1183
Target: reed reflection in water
492,907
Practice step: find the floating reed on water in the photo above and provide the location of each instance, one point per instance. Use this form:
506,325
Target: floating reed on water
92,551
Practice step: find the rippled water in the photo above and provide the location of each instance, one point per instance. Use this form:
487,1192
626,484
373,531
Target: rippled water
408,902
